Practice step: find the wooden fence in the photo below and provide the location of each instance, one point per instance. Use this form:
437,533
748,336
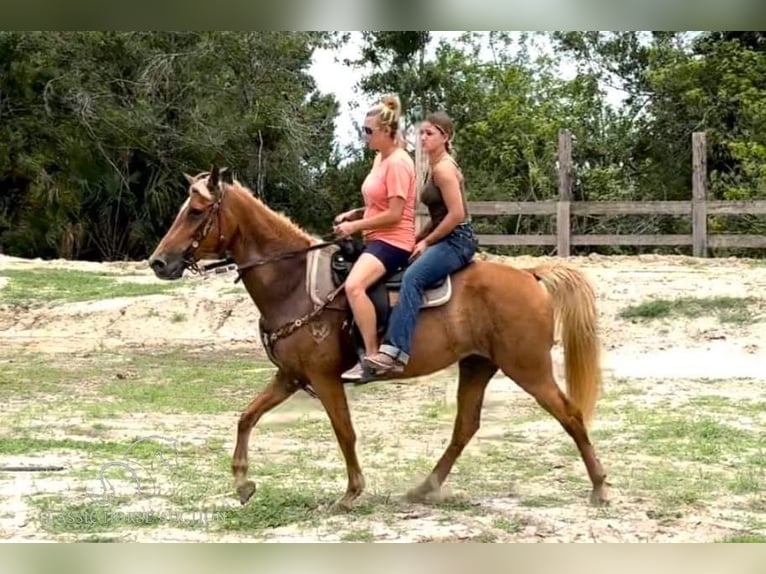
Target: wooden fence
698,208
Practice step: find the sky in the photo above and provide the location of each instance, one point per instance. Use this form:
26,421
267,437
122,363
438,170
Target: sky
333,77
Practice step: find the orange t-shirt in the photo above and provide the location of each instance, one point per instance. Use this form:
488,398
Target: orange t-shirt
391,177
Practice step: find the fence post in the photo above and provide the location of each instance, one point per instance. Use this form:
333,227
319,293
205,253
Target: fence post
699,195
563,230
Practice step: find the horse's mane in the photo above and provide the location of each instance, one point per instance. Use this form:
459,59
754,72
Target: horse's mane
281,226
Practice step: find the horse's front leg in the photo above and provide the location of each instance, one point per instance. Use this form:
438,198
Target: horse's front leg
331,392
280,388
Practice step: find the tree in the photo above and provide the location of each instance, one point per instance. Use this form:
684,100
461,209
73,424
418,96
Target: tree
98,127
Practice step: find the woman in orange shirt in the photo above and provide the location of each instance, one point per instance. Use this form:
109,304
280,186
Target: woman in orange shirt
387,221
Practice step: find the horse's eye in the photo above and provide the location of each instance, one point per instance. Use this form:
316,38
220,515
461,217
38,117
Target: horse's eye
194,212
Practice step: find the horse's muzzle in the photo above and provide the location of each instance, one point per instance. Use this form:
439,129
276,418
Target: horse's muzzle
167,268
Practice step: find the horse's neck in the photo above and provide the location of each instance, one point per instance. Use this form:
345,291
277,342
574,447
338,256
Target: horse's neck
278,288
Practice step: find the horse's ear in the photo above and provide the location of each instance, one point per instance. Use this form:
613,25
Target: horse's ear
226,176
189,178
213,180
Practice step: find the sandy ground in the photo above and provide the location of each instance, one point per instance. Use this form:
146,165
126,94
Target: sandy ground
219,315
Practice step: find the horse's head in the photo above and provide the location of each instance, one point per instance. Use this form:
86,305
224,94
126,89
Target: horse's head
199,230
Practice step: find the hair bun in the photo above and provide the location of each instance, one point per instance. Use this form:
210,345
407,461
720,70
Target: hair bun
392,102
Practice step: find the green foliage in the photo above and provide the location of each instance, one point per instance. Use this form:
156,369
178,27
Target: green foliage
97,127
727,309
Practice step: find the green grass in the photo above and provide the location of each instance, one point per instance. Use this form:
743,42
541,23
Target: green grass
37,286
28,375
543,501
170,382
737,310
685,436
56,515
361,534
745,539
272,507
511,525
27,445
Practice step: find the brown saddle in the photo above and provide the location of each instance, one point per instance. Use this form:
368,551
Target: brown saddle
327,268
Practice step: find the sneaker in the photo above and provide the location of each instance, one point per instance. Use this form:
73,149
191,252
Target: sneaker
355,373
381,363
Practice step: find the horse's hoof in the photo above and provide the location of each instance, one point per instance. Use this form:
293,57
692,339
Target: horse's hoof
428,491
342,505
245,491
599,496
415,495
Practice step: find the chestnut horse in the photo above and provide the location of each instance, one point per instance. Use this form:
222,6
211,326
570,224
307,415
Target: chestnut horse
498,317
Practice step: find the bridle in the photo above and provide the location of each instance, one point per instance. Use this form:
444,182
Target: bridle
201,232
228,263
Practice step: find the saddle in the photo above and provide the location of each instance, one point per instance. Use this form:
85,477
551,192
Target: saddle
329,267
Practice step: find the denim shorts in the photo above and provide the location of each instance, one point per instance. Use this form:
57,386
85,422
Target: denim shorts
392,258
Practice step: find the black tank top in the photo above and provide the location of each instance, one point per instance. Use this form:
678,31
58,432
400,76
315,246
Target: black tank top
431,197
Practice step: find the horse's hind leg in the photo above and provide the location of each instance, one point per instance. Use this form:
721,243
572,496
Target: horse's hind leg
537,379
280,388
475,373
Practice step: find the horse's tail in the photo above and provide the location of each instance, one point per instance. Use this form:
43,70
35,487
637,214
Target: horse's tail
575,309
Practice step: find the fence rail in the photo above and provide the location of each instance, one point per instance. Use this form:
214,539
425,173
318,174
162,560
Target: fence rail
698,208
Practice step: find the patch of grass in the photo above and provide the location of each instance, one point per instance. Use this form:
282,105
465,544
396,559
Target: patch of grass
178,317
38,286
22,445
485,537
27,376
673,488
744,539
726,309
508,461
747,482
542,501
511,525
272,508
172,382
686,436
361,534
719,404
438,411
459,504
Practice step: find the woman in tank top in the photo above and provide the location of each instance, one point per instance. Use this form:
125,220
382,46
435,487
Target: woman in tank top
444,246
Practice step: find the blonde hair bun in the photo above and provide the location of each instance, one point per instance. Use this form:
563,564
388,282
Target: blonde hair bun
393,103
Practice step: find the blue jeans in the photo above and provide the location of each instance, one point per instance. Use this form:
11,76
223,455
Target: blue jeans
441,259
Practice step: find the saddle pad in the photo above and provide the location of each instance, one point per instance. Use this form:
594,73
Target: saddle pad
438,295
319,282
